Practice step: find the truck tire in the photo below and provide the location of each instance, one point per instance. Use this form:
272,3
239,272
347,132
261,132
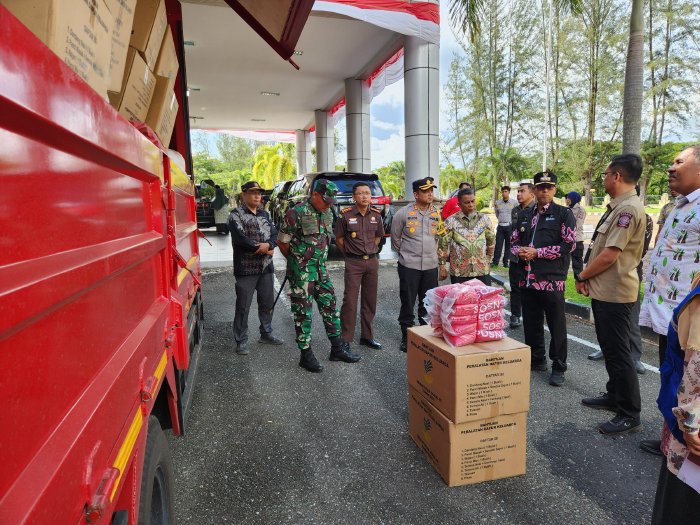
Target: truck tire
156,505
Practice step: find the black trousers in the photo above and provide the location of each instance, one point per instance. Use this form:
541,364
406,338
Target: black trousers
676,503
612,328
502,237
516,308
412,285
486,279
246,286
662,349
536,306
577,258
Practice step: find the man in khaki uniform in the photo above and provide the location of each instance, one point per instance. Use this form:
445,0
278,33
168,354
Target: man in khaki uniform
610,278
357,233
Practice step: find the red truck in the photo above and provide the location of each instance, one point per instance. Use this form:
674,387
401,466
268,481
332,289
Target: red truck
100,300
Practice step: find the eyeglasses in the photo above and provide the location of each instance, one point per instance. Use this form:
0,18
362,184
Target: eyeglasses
544,186
606,173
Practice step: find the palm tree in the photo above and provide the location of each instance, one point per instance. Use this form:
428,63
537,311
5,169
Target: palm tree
634,72
274,163
505,166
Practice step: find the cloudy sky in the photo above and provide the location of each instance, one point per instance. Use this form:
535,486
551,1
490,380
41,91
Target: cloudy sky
386,110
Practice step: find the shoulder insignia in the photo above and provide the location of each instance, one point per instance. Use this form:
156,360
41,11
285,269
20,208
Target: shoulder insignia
376,209
345,210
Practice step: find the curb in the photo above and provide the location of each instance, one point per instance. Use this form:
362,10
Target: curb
586,313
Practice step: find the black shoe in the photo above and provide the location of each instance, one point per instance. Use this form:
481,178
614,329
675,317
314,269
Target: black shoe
620,425
309,362
596,356
372,343
505,264
404,339
557,378
651,446
422,322
343,353
639,367
242,348
494,263
602,402
515,321
539,367
270,339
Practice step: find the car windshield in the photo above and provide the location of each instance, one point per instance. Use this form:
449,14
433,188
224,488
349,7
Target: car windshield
345,186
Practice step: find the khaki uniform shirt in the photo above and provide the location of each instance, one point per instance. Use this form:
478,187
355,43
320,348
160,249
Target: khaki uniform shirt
622,228
414,235
359,231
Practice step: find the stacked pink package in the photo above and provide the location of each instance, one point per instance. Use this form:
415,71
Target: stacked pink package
466,313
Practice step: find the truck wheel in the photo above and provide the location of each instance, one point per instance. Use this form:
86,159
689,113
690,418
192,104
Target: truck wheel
156,505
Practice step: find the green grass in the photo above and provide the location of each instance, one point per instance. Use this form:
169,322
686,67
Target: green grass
570,293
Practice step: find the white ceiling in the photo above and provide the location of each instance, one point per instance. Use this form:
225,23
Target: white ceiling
230,65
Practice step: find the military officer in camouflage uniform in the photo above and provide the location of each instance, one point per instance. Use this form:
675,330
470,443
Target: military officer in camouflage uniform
304,239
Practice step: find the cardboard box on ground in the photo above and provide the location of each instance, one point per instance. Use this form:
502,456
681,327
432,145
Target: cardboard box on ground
134,99
471,452
150,23
470,382
163,110
78,31
123,14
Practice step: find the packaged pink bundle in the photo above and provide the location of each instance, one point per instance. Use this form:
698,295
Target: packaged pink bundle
460,310
458,340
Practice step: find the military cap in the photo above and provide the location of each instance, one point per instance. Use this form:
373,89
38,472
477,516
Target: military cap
423,184
545,177
327,189
251,185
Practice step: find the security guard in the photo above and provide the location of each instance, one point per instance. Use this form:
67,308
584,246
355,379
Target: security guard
610,278
357,233
415,230
304,239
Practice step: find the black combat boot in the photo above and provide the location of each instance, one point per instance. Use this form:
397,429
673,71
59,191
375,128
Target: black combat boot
309,362
340,351
404,338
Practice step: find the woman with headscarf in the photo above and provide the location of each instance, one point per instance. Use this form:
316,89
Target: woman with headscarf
573,201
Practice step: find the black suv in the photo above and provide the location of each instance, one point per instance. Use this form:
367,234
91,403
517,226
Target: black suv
204,195
298,191
276,204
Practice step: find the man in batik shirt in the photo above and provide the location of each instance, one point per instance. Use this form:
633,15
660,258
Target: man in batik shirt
467,247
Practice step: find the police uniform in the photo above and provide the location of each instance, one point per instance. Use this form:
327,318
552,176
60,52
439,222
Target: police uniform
308,233
359,233
414,235
614,293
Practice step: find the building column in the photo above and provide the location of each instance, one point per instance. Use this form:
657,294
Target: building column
421,110
357,125
303,144
325,144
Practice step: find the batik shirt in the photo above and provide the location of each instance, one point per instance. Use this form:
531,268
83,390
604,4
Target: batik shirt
467,244
551,230
249,229
674,263
308,232
688,410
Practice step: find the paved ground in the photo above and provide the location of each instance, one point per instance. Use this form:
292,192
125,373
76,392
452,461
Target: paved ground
270,443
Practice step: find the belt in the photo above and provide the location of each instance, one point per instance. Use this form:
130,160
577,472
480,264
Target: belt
355,256
504,224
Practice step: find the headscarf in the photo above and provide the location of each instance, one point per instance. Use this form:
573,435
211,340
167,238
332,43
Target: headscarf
574,197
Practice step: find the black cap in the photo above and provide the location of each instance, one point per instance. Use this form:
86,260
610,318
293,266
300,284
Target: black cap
423,184
545,177
252,185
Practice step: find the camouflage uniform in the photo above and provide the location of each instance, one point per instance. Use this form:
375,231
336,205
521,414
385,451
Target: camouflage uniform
308,233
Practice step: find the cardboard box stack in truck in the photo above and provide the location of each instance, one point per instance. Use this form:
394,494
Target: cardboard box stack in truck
123,49
467,406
